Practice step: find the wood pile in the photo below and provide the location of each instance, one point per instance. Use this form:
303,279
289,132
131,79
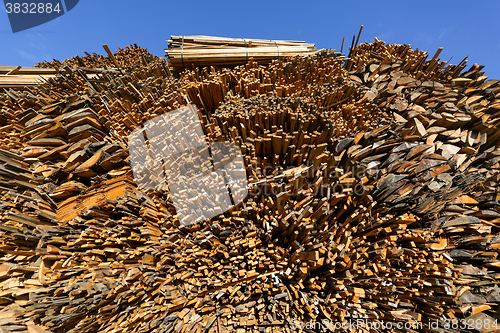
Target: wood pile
188,51
373,193
321,81
130,56
20,77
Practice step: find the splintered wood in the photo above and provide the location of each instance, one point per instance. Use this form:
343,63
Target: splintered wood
373,193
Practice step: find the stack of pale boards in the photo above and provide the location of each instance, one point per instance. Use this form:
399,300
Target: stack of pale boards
381,206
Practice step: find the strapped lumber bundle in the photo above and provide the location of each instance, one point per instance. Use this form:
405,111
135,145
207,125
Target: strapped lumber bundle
373,194
188,51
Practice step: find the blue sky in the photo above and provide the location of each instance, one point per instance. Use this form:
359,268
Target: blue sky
460,27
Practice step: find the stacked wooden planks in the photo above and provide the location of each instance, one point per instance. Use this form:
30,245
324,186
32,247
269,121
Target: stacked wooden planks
20,77
321,81
373,193
130,56
188,51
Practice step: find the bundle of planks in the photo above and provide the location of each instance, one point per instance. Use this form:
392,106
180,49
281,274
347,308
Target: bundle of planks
373,194
21,77
188,51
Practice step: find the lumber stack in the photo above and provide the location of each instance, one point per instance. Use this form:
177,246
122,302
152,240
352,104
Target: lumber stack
130,56
320,80
21,77
373,193
188,51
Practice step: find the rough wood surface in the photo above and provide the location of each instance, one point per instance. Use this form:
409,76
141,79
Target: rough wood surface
373,192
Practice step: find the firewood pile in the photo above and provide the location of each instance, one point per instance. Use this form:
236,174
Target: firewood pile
20,78
187,51
373,192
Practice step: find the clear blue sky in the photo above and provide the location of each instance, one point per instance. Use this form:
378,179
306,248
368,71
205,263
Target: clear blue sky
461,27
